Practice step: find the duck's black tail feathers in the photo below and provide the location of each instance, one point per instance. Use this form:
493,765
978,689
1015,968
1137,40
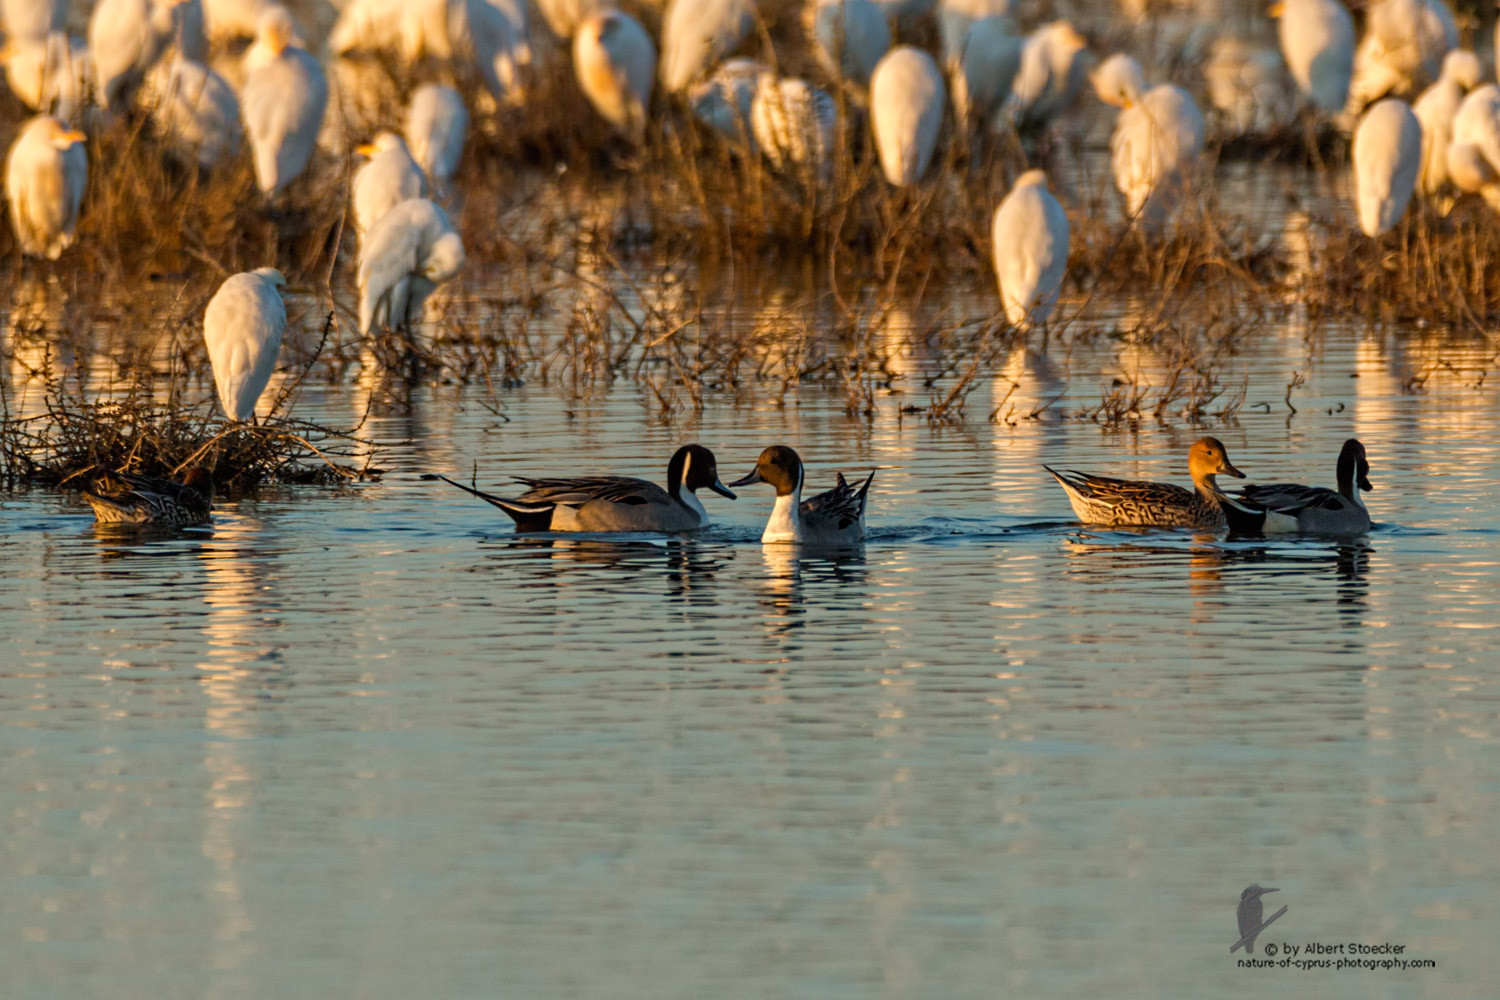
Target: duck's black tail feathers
528,516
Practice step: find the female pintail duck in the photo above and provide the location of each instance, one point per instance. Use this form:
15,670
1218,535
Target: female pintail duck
615,503
148,501
833,518
1123,502
1288,507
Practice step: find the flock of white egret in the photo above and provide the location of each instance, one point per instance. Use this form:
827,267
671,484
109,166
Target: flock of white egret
214,75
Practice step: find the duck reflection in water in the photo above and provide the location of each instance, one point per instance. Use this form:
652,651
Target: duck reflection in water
687,567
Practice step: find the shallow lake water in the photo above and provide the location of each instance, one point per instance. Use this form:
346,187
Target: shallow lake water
367,741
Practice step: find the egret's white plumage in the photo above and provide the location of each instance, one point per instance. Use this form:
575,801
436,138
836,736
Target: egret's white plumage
724,100
987,68
564,16
850,38
405,255
437,126
1249,87
494,34
46,173
907,98
1157,142
33,20
390,177
957,17
53,74
697,34
1387,158
614,61
1053,67
243,327
195,112
1474,152
283,102
1402,48
794,124
1317,41
126,37
1436,109
1030,237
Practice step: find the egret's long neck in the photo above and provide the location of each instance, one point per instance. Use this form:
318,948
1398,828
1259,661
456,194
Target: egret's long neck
786,518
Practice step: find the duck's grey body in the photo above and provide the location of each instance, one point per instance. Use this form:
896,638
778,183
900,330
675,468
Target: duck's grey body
1133,503
1315,510
614,503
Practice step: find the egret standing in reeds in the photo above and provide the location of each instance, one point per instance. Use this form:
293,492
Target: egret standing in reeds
243,327
405,255
437,126
850,37
725,100
697,34
1436,109
614,60
196,113
1157,142
126,38
956,18
1317,41
1402,48
46,173
33,19
1474,152
1054,61
793,123
907,98
1387,159
1031,250
986,69
283,101
54,74
390,177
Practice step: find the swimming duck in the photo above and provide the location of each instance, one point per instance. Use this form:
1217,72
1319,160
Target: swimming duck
833,518
147,500
1123,502
615,503
1287,507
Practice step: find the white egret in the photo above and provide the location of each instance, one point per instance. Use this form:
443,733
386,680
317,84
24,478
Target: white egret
614,61
1317,41
850,37
283,101
437,126
987,68
406,254
389,178
274,32
243,326
1402,48
1030,236
1157,143
54,74
33,20
724,100
1249,87
907,98
1053,65
697,34
196,112
1474,152
494,34
1436,109
957,17
46,173
1387,158
794,125
126,37
230,21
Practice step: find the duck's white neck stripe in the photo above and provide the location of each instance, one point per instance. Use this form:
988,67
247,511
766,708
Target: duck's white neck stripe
785,524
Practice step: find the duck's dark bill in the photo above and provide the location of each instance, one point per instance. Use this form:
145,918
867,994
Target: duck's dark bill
1229,470
749,480
721,489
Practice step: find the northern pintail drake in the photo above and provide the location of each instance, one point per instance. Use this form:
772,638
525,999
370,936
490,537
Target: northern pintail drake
147,500
1288,507
1124,502
833,518
615,503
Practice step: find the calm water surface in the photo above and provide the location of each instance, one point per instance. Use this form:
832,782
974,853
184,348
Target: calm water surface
367,742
